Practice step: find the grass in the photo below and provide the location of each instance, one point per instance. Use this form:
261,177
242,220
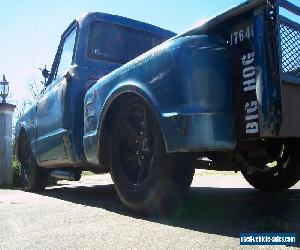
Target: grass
199,172
204,172
272,224
86,173
17,177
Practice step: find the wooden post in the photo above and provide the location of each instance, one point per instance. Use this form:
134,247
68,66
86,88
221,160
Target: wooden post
6,172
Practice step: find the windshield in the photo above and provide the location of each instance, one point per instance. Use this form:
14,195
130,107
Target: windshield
118,43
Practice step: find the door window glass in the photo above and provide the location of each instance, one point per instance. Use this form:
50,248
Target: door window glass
67,53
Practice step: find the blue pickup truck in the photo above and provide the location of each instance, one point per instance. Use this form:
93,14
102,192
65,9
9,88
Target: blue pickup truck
150,106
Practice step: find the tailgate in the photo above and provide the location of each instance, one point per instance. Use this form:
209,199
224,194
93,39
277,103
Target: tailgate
288,20
263,39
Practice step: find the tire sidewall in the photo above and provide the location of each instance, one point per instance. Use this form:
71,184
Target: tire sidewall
143,196
38,177
277,180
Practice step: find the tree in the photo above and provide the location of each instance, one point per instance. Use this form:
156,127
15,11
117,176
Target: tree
36,90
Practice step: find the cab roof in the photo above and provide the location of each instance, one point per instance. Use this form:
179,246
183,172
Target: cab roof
128,22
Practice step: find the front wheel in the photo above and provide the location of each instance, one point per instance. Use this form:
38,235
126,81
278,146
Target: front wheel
33,177
280,174
147,180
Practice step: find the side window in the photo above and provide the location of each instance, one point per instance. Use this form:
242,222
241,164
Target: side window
67,53
118,43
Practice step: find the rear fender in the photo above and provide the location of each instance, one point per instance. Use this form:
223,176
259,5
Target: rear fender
186,82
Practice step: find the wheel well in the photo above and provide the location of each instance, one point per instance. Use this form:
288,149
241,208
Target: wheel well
21,136
106,126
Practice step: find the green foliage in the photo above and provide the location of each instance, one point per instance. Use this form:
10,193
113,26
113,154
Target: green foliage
86,173
52,181
16,173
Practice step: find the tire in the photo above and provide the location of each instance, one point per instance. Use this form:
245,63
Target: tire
284,175
147,180
33,177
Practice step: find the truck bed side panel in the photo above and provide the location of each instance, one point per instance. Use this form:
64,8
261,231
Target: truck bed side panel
186,81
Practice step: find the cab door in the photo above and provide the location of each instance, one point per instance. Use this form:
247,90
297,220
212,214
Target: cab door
52,127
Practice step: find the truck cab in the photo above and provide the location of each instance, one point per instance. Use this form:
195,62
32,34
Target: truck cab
91,47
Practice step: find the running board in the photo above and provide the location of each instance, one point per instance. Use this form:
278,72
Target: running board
70,175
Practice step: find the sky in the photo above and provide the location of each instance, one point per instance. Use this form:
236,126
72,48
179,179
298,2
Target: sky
30,30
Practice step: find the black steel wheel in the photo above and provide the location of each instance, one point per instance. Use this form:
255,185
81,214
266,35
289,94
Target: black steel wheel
33,178
282,171
147,179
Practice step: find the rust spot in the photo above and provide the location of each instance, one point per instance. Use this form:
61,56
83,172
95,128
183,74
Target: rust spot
66,140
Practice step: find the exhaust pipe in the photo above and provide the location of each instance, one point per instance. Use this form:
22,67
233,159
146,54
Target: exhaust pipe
70,175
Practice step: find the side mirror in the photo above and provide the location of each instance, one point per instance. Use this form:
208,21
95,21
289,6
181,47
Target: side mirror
46,74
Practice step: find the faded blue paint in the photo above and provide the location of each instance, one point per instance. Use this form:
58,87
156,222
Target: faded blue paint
194,83
186,81
268,90
54,125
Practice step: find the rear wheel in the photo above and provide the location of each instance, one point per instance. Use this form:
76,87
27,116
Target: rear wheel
147,180
33,177
282,172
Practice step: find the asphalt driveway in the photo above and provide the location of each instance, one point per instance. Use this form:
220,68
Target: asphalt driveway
89,215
